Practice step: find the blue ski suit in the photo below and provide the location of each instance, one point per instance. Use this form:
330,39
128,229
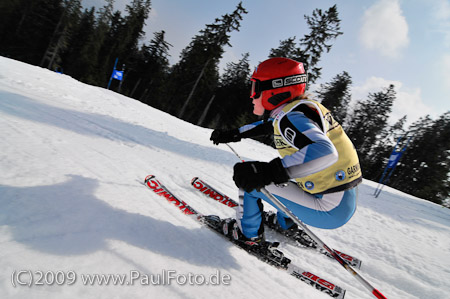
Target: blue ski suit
320,161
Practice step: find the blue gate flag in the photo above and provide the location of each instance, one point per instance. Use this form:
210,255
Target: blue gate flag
118,75
393,159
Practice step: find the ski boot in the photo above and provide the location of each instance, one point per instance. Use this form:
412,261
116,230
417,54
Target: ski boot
292,231
257,246
231,229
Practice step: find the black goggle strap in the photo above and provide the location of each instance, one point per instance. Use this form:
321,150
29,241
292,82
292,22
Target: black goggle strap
259,86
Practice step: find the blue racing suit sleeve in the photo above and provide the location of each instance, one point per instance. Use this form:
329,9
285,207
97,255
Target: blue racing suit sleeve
259,128
315,150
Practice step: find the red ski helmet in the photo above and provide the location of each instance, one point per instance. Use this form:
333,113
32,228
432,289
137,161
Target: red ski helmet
278,80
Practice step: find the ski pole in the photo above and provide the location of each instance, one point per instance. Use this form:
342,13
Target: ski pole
237,155
297,221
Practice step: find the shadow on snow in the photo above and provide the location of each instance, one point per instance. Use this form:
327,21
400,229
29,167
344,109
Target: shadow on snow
67,219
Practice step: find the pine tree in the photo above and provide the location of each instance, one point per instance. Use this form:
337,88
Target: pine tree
324,27
194,78
130,33
29,29
78,59
424,168
132,30
287,48
146,79
91,58
122,39
368,121
108,49
12,13
233,104
61,35
336,96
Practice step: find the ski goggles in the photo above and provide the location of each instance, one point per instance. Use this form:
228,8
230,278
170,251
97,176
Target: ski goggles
259,86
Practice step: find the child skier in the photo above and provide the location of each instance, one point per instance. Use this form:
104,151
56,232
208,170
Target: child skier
317,174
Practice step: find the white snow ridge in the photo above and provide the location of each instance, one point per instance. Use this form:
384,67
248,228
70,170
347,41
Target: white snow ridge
72,208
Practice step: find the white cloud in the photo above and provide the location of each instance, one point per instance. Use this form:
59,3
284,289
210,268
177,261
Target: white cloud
408,100
384,28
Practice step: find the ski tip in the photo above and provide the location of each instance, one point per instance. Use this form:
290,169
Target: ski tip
148,178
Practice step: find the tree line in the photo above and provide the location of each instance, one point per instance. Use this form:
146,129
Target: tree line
84,43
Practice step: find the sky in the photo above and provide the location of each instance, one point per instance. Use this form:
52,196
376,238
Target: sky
400,42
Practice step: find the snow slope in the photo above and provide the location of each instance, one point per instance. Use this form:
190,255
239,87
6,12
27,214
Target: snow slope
72,157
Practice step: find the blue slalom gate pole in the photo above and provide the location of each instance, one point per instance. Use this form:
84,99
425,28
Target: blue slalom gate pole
394,158
110,78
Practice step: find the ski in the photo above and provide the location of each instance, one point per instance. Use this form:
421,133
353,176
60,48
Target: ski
266,252
300,237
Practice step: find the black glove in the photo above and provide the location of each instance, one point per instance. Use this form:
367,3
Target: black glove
225,136
255,175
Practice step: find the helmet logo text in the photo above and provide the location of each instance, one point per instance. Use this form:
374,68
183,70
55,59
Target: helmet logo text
295,80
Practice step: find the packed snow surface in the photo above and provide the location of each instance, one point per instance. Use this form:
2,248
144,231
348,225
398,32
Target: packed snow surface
73,158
